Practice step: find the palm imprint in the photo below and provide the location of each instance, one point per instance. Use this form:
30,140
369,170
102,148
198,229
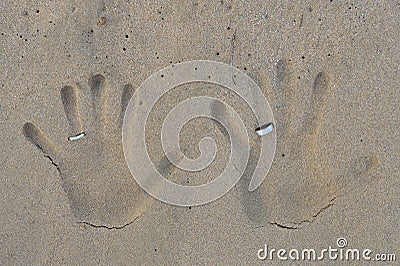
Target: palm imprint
95,177
301,183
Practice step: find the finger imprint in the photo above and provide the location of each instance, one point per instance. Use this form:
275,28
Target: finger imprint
98,86
70,101
321,94
40,140
287,83
127,94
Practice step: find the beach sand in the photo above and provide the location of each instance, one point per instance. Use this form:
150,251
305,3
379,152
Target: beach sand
329,70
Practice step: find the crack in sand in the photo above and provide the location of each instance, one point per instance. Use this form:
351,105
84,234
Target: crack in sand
51,159
233,47
296,225
53,163
110,227
285,226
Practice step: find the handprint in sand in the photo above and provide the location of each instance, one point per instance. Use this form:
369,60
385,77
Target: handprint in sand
90,160
301,183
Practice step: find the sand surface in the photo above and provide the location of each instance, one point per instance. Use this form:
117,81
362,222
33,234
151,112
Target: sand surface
329,70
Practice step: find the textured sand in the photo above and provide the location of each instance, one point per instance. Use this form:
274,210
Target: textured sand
329,69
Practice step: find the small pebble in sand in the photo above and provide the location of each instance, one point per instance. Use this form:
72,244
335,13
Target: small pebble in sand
102,21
